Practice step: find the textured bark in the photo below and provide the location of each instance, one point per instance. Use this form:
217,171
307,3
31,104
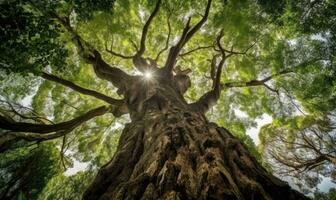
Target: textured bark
171,152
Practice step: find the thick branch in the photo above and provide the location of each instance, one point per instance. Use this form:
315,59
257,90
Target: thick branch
187,34
199,24
103,70
139,62
146,27
8,124
40,132
82,90
210,98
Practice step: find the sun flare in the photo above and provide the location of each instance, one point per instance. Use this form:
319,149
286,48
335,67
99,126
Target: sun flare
148,75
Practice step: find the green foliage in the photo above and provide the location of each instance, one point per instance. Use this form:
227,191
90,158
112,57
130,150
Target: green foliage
15,87
296,147
29,40
32,40
67,187
26,170
289,35
331,195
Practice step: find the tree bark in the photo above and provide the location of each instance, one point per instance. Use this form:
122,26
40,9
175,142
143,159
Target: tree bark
178,154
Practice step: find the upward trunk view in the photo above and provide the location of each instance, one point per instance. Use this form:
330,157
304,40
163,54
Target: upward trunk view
170,151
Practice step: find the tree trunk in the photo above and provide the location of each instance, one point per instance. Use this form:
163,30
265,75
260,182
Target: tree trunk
178,154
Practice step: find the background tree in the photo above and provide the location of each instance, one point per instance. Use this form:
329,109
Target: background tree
26,171
63,187
325,196
175,65
302,147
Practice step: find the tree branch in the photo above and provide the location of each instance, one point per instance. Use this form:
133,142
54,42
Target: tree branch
146,27
139,62
117,54
237,52
196,49
167,41
199,24
16,109
11,125
264,80
41,132
187,34
80,89
62,152
253,83
103,70
210,98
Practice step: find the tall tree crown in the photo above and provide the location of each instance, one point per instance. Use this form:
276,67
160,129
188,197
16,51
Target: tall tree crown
73,71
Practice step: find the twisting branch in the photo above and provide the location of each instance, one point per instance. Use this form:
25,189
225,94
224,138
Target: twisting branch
80,89
21,111
40,132
231,51
140,63
8,124
216,84
187,34
62,152
256,82
167,41
286,153
134,45
301,166
263,81
196,49
116,54
210,98
113,53
146,27
103,70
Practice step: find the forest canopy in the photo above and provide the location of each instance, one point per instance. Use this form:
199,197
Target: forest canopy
66,67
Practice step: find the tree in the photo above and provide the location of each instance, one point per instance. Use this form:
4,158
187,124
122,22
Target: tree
27,171
58,187
168,149
325,196
302,147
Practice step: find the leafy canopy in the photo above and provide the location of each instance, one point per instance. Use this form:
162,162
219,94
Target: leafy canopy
287,70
